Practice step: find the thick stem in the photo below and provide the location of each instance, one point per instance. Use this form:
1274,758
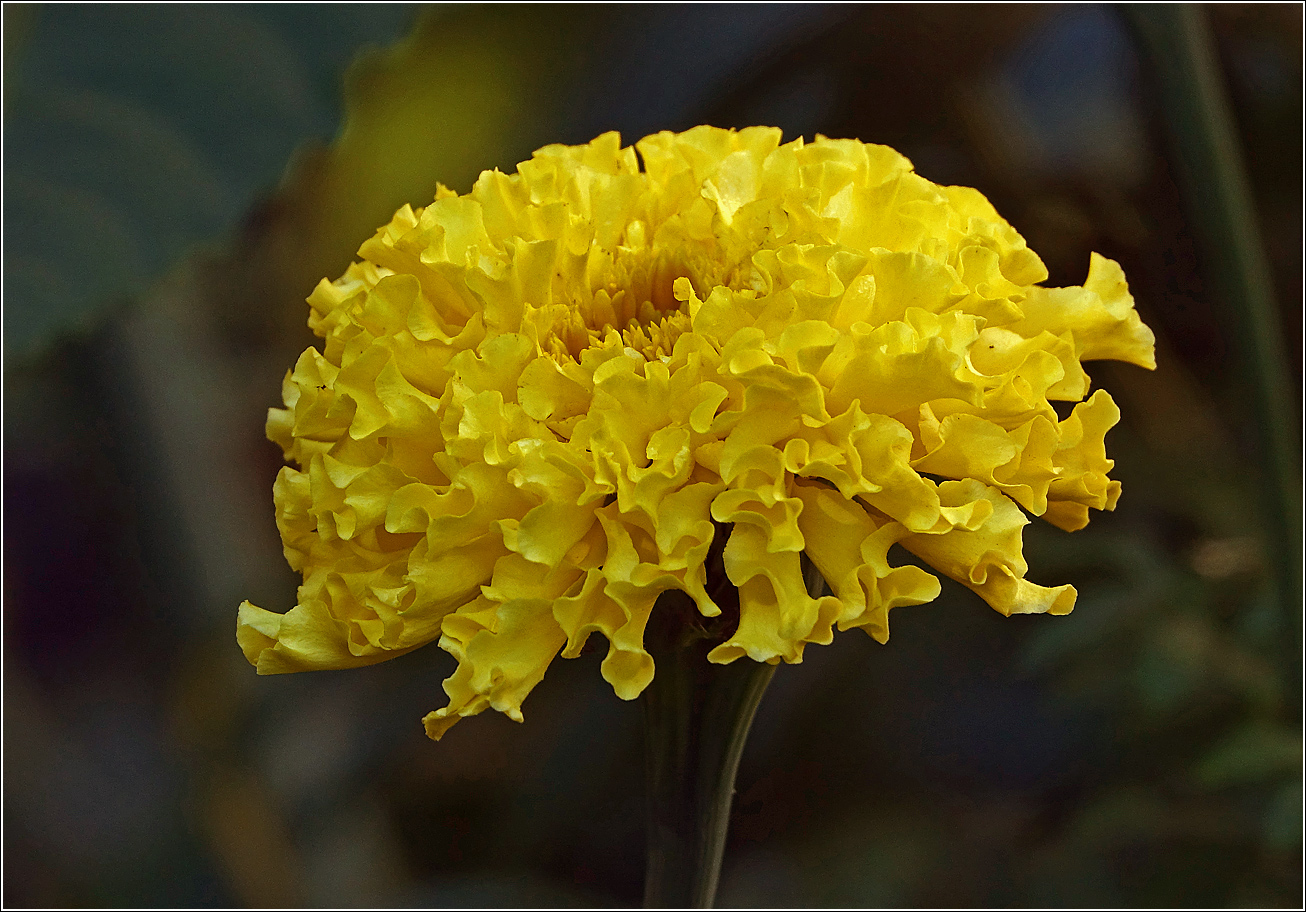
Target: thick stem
697,716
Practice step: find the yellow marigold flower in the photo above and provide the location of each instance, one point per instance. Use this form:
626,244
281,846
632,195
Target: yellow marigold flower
540,404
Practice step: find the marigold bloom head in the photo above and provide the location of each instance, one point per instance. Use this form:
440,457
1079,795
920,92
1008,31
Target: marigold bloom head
540,405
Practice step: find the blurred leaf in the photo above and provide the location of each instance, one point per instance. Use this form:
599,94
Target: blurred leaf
1283,818
1209,168
249,834
1252,754
1167,675
1122,577
1121,815
470,88
135,132
1127,815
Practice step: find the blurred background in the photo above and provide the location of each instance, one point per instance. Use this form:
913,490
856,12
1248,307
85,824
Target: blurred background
177,179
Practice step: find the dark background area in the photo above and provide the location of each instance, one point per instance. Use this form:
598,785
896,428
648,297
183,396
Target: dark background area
177,179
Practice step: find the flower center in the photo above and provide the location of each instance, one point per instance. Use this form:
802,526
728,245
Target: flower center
631,299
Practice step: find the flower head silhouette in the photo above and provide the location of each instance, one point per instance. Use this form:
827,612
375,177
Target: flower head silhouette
544,403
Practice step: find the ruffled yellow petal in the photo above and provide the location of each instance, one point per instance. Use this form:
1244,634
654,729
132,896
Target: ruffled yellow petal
306,638
989,558
540,405
1101,316
1081,463
500,658
1018,462
777,615
850,549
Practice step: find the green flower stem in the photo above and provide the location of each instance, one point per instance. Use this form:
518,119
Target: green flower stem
1211,174
697,716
